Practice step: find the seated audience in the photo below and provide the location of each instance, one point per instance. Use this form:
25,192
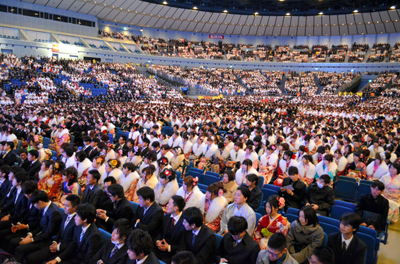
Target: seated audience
320,196
293,190
140,246
276,251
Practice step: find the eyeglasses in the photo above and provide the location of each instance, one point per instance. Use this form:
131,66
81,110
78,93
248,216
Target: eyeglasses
274,255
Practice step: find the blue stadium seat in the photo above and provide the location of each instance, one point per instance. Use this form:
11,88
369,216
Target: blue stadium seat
291,217
271,187
346,189
213,174
218,241
362,189
202,187
372,254
337,211
261,209
260,182
46,142
325,241
105,235
329,229
293,211
328,220
258,216
134,206
346,204
208,180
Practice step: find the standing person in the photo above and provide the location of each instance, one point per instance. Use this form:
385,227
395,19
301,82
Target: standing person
347,247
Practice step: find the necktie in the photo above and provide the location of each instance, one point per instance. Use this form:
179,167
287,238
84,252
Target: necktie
194,238
344,247
235,243
172,223
113,251
80,238
67,221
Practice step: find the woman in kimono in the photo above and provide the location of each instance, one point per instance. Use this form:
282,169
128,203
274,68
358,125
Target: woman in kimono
392,190
348,153
247,168
357,168
377,168
214,206
327,166
134,156
341,162
307,170
70,185
62,137
112,169
268,163
272,222
121,155
177,159
148,179
129,180
191,193
166,188
229,185
289,159
82,165
98,164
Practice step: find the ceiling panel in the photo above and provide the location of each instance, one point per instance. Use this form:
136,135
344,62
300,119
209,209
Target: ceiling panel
384,16
253,31
277,31
380,28
284,31
261,31
213,27
141,7
192,15
206,17
376,17
65,4
250,20
257,21
184,15
119,3
367,18
221,29
227,20
361,30
235,19
350,19
153,21
333,20
149,9
302,22
53,3
41,2
176,25
245,31
318,30
207,27
269,31
184,25
168,23
109,2
264,21
243,19
95,10
167,11
279,21
237,30
293,31
318,21
125,5
222,17
301,31
335,30
326,31
191,26
112,14
397,26
161,21
309,31
371,28
325,20
103,13
390,27
342,20
229,30
198,27
127,19
136,19
393,15
199,16
353,30
294,22
86,8
310,21
134,5
213,18
272,21
344,30
286,21
144,21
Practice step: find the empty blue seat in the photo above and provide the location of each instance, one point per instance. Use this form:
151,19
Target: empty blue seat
218,241
267,193
213,174
328,220
134,206
346,189
202,187
337,211
46,142
291,217
371,255
105,235
346,204
272,187
258,216
260,182
329,229
293,211
208,180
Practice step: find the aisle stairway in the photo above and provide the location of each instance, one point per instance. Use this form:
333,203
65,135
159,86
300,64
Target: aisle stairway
282,85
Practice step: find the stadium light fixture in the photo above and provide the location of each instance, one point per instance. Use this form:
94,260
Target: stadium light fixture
393,7
320,13
225,11
288,14
195,7
256,13
165,3
355,11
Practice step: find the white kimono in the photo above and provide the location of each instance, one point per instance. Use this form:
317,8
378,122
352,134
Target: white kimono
187,148
341,164
237,156
198,150
240,176
82,166
110,155
177,161
217,207
321,170
310,173
373,152
209,151
285,167
69,162
152,182
379,172
246,211
126,181
269,160
163,194
116,173
196,199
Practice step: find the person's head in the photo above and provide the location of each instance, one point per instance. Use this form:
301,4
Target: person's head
146,196
323,181
93,177
247,163
237,227
175,204
394,169
349,223
183,257
112,164
377,188
39,199
33,155
98,161
70,175
192,218
58,167
147,172
4,170
19,178
122,139
308,217
189,183
242,195
251,180
9,146
276,246
293,173
23,153
228,177
272,205
71,202
85,214
28,188
115,192
214,190
139,244
306,159
322,255
358,156
166,176
128,168
121,231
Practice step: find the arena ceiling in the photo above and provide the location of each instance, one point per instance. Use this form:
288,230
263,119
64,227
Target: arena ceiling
164,16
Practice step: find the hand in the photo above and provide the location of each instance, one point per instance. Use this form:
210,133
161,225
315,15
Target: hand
163,245
53,247
223,260
5,218
25,240
14,229
290,192
138,221
283,189
371,226
315,207
52,262
363,224
101,214
307,204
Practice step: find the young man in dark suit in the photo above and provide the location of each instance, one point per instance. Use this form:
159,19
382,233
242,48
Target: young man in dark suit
293,190
169,239
149,216
114,251
9,157
50,223
198,238
93,152
64,236
237,246
34,166
86,145
87,239
5,184
122,208
140,246
348,248
93,191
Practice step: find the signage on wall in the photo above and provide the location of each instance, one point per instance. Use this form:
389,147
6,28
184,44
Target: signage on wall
214,36
55,48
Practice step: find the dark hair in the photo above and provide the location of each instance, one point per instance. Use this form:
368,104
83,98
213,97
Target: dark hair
146,193
248,163
352,219
215,187
273,201
324,255
193,215
179,202
252,178
245,191
72,175
110,179
167,174
188,181
124,137
39,195
277,241
309,215
5,169
379,184
29,187
21,177
293,170
61,166
231,175
69,151
140,242
124,227
11,144
74,199
307,157
237,225
326,178
184,257
86,212
328,157
95,174
81,156
130,166
396,166
34,153
116,189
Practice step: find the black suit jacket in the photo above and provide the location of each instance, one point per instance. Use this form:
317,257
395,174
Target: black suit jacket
93,196
245,252
87,150
119,257
25,164
10,158
66,234
93,153
5,188
298,196
33,170
124,146
50,224
7,202
31,218
123,209
151,221
355,253
20,207
204,245
172,237
255,198
82,251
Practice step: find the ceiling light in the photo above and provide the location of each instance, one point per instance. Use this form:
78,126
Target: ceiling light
165,2
288,14
320,13
256,13
225,11
355,11
195,7
393,7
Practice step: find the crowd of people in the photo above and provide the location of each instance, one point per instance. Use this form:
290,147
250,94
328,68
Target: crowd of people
303,82
332,81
